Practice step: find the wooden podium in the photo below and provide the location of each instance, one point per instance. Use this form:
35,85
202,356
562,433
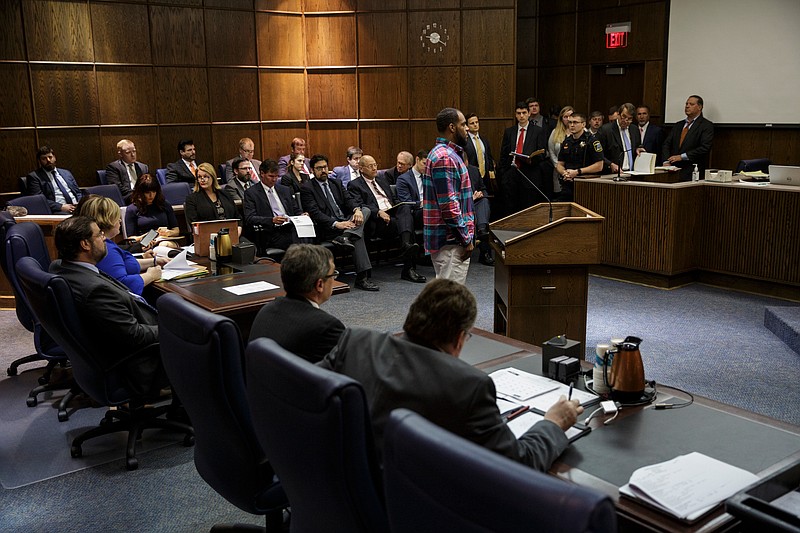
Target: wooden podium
541,271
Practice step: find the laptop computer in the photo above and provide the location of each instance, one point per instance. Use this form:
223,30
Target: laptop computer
784,175
202,233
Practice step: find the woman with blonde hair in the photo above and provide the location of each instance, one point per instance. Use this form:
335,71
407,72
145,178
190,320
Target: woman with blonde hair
209,201
557,137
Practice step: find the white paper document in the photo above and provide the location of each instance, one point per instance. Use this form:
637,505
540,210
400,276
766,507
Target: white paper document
304,226
177,267
248,288
538,392
688,486
645,163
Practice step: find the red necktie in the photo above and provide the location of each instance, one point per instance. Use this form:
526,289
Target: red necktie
520,142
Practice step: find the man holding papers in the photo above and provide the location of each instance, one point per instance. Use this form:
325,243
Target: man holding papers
267,208
421,371
621,142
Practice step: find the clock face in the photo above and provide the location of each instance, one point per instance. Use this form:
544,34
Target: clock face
434,38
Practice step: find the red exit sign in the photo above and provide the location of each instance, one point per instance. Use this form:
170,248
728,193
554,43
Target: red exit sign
617,39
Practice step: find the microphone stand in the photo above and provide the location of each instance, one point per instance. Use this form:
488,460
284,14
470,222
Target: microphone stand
619,161
513,163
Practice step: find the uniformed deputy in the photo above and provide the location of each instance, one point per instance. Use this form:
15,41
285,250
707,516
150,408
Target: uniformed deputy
581,153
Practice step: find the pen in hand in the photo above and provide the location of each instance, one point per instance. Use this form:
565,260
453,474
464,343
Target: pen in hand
571,384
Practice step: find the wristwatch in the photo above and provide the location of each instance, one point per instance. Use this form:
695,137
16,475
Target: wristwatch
580,171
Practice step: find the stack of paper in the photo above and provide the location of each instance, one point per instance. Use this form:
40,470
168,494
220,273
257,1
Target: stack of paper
538,392
179,267
645,164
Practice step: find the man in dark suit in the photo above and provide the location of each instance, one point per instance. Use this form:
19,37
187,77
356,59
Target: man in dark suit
524,138
689,142
298,146
337,218
347,173
421,371
404,161
185,168
267,208
296,321
373,192
241,181
650,134
120,322
477,144
480,203
535,116
58,185
246,150
125,171
621,143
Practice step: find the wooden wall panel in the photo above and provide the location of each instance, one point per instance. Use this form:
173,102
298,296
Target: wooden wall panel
432,4
279,5
383,93
556,86
170,135
526,83
380,5
433,88
555,8
491,38
283,95
331,139
330,40
148,149
12,41
654,89
487,91
276,139
280,40
331,94
230,36
58,31
17,157
785,147
383,140
527,43
121,33
182,2
15,105
381,39
233,94
484,4
126,95
77,150
422,51
65,95
230,4
329,5
226,140
557,40
731,146
181,94
492,130
423,135
646,40
177,35
581,98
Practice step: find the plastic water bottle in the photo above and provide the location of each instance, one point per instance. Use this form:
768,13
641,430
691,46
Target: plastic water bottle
695,174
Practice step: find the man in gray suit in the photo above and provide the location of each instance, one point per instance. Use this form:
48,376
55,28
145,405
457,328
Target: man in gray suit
246,150
125,171
421,371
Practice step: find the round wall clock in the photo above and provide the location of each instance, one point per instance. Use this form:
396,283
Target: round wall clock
434,37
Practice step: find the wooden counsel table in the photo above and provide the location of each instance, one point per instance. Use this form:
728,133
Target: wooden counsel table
605,458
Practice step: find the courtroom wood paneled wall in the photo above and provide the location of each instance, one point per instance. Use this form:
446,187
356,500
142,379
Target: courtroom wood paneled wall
336,72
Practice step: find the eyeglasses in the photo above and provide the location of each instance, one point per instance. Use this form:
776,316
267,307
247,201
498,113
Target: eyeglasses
371,165
321,168
468,336
335,273
203,178
248,151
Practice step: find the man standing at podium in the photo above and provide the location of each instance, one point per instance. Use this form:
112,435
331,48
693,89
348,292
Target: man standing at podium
447,199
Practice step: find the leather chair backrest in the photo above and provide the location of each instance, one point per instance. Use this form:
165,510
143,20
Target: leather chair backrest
23,240
22,183
203,355
175,193
35,204
101,177
438,481
753,165
314,426
222,175
109,191
161,175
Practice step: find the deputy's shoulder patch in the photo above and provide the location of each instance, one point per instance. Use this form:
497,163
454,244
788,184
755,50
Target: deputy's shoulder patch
597,146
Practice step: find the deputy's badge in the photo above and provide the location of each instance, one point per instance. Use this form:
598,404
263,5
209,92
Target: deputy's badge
597,146
583,144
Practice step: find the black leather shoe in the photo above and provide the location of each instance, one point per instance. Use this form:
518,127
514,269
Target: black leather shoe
365,284
409,249
411,275
344,242
486,259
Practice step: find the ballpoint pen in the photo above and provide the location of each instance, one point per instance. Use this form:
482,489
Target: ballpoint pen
571,384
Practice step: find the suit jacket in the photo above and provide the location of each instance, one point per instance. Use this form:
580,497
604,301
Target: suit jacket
407,190
298,327
389,174
609,137
361,193
117,174
39,183
235,189
472,154
258,211
229,168
198,207
696,145
361,196
538,168
178,171
652,139
343,174
316,205
396,372
288,180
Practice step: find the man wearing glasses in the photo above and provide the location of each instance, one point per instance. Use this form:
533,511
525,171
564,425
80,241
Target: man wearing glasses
125,171
580,154
307,273
337,218
246,151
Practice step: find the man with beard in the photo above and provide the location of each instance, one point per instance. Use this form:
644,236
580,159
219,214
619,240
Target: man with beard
447,199
121,323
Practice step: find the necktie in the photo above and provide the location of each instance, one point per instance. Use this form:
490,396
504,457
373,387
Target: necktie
68,198
383,200
479,151
520,143
685,130
331,202
253,175
275,203
628,154
641,132
193,168
131,175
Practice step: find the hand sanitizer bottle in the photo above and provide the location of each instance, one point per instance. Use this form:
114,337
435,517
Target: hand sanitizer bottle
695,174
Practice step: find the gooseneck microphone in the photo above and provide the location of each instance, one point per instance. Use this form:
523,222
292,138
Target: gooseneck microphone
515,154
619,161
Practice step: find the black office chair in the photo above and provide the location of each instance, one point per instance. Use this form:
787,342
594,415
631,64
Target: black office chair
438,481
175,193
101,177
51,300
22,184
26,240
203,356
222,175
35,204
753,165
109,191
161,176
314,426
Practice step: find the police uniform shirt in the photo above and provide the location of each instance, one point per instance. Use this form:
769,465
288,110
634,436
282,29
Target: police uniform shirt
580,152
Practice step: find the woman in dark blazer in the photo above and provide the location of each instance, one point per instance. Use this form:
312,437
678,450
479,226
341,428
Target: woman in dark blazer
295,177
209,201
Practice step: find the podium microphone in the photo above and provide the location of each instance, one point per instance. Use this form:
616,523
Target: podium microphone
523,156
619,161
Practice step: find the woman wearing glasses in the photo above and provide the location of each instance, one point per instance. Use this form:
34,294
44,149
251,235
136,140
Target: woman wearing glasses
209,201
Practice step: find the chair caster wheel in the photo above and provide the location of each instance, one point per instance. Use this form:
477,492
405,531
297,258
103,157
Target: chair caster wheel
63,416
188,440
32,401
43,380
131,463
75,451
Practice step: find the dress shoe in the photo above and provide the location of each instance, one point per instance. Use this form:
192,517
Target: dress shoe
409,249
486,259
365,284
344,242
411,275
